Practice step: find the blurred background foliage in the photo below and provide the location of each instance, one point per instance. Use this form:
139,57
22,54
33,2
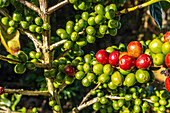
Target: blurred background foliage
136,25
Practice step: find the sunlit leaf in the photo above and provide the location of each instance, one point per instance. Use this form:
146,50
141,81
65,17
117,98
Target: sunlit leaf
10,41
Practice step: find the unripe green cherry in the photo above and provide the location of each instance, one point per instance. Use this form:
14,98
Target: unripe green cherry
73,1
98,68
69,27
81,42
11,30
38,21
82,5
12,23
113,23
103,100
16,17
85,15
19,68
5,21
103,29
110,14
86,82
99,19
46,26
68,44
32,28
29,18
90,39
57,108
96,106
24,24
91,21
80,75
91,77
74,36
99,9
90,30
81,23
39,29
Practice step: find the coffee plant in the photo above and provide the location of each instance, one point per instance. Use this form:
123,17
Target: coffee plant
122,74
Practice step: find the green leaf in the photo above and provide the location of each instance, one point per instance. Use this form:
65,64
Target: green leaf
165,6
154,68
156,12
5,102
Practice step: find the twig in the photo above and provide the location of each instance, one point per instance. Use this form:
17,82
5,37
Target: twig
127,10
90,102
26,92
9,59
3,12
89,93
62,87
57,6
57,44
30,5
107,2
37,42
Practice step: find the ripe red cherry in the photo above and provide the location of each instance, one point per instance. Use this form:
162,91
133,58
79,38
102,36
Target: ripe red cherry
167,60
127,62
122,54
143,61
167,84
114,58
1,90
102,57
70,70
135,49
167,37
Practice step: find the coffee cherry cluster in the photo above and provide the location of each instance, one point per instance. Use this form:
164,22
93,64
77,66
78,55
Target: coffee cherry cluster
35,56
118,70
88,26
27,23
122,99
130,99
20,68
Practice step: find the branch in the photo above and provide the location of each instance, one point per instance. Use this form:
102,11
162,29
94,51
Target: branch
96,99
63,53
57,44
89,93
31,6
57,6
37,42
127,10
62,87
7,110
41,65
26,92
